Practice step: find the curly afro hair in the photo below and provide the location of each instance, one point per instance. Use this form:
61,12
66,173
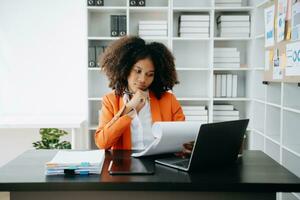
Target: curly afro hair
120,56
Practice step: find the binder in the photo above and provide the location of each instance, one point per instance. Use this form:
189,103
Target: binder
234,85
90,2
218,85
122,25
99,51
92,56
133,2
223,85
99,2
229,85
141,2
114,25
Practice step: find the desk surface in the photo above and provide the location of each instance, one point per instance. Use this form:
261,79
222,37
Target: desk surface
256,172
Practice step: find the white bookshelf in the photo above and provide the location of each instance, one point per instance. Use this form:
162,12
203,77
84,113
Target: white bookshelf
275,112
273,109
194,56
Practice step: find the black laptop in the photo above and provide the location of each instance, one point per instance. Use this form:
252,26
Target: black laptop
217,144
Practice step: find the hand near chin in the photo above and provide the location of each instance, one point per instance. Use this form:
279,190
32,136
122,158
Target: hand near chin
138,100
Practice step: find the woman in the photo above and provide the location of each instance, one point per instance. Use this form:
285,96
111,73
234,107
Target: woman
141,75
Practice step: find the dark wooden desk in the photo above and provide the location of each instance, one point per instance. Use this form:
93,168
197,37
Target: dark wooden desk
257,175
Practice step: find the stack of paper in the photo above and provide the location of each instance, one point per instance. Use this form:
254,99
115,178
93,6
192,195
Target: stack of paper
153,28
225,112
77,162
225,85
228,3
234,25
195,113
194,26
226,57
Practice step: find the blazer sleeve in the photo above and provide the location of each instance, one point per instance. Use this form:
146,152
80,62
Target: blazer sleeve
111,126
177,112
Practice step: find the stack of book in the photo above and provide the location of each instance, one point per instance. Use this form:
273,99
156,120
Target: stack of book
195,113
194,26
225,85
225,112
228,3
76,162
118,25
234,25
153,28
226,58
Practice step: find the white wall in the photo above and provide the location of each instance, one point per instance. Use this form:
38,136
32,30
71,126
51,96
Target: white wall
43,60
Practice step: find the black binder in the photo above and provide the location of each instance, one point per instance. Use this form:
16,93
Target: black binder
133,2
99,51
141,2
92,56
114,25
91,2
122,25
99,2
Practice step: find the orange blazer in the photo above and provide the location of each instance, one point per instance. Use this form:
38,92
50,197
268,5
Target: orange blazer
114,130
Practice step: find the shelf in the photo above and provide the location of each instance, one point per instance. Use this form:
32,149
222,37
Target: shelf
194,39
234,9
192,9
260,36
95,98
192,69
259,101
94,69
147,9
231,38
291,110
154,38
193,98
106,8
103,38
232,99
258,69
263,3
232,69
273,104
259,132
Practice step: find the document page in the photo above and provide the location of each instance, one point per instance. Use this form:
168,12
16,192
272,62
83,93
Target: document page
169,137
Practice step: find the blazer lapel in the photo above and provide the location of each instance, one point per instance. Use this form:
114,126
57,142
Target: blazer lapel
154,106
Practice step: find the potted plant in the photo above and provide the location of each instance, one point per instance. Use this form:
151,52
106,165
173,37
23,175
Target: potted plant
50,139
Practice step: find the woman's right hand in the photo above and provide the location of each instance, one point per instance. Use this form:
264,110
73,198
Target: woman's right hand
138,100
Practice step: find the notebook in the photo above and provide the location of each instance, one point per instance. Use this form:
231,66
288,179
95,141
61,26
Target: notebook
217,144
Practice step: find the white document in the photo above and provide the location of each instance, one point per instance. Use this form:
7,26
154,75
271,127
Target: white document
169,137
293,59
281,13
277,71
67,157
269,26
296,21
